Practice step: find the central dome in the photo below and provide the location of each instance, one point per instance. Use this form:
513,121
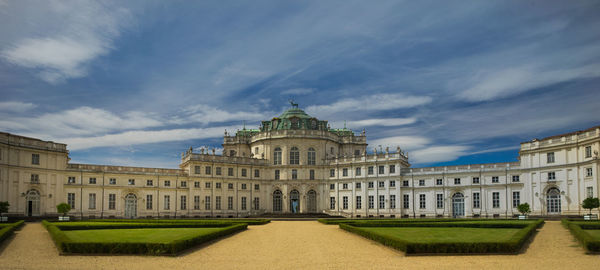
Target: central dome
294,112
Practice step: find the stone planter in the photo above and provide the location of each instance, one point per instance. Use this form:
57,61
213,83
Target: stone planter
522,217
590,217
65,218
3,219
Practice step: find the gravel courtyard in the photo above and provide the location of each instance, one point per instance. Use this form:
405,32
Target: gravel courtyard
297,244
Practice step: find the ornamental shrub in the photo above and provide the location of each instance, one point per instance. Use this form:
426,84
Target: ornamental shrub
590,203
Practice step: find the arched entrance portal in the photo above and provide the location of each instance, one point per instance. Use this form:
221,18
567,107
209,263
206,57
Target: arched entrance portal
130,206
277,201
553,201
458,205
295,201
312,201
33,203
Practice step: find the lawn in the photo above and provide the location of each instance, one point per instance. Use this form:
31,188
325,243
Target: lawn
444,234
155,235
587,232
594,234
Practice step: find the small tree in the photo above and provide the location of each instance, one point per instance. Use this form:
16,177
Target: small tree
590,203
4,207
524,209
63,208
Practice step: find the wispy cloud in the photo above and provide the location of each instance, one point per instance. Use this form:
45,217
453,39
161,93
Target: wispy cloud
298,91
16,106
385,122
206,114
434,154
375,102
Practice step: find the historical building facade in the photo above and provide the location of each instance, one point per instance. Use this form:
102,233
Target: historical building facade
296,163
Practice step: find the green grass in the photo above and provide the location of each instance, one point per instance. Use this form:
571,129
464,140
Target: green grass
249,221
7,229
594,234
444,234
587,232
159,235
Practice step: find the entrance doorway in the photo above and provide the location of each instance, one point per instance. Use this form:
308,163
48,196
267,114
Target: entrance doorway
295,201
458,205
553,201
130,206
312,201
277,201
33,203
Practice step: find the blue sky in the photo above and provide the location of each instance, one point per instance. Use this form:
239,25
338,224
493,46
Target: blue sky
451,82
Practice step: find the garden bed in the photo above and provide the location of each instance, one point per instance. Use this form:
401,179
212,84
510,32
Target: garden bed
6,230
587,232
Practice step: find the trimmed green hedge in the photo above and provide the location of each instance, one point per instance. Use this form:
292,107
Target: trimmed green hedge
578,228
65,245
68,226
9,229
513,245
249,221
335,221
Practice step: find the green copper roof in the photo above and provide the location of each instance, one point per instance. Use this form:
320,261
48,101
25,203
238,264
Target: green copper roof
294,112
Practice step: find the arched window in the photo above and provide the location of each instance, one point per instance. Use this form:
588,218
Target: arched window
331,150
277,201
277,156
312,156
553,201
312,201
294,155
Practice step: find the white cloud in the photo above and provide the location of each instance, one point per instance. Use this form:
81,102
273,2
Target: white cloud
404,142
386,122
499,149
81,31
298,91
375,102
202,113
434,154
16,106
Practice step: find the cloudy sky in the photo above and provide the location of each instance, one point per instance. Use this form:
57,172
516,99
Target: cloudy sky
451,82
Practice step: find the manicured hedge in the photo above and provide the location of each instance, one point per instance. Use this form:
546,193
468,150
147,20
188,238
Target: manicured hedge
513,245
578,228
249,221
464,224
336,221
66,246
8,230
67,226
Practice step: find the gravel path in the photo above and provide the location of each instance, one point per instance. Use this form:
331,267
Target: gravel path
298,244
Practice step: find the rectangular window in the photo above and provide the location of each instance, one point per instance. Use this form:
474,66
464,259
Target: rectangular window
371,185
405,183
207,185
72,179
345,186
256,187
244,186
256,203
371,202
149,202
207,170
218,171
345,202
218,202
35,178
439,200
294,174
358,202
589,192
196,202
381,170
229,171
131,182
196,169
370,170
588,172
167,202
206,202
422,202
149,182
392,168
392,183
183,202
276,174
357,152
332,203
332,186
422,183
312,174
230,185
475,180
35,159
515,178
392,201
218,185
550,157
183,184
93,180
332,173
358,172
588,151
312,157
551,176
495,179
439,182
405,201
71,200
516,199
358,185
476,201
229,203
112,199
197,184
167,183
381,184
257,173
345,172
92,203
243,203
495,199
244,172
457,181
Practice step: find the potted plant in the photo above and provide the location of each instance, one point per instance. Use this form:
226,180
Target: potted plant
63,208
3,209
524,210
590,203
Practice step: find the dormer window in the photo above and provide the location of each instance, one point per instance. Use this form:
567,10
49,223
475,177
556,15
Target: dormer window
295,124
313,124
